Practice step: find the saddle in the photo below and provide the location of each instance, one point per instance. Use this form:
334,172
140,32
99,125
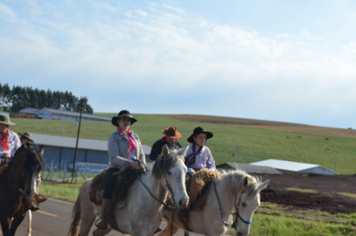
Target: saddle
199,186
125,178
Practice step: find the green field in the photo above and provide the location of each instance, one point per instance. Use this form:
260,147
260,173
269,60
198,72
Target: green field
253,143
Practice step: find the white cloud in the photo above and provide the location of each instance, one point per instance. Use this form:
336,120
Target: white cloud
158,46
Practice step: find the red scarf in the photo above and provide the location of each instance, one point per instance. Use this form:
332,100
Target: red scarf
4,141
132,144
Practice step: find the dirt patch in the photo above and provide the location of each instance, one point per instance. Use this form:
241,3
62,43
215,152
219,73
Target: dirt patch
284,126
315,192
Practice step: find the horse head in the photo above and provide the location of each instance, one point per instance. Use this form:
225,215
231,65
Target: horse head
171,171
25,166
248,202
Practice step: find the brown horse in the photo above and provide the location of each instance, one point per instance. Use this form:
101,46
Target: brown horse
17,187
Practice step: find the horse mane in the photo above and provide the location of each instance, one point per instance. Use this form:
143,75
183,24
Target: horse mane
33,155
238,176
164,164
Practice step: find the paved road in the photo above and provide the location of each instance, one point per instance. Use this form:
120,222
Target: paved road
54,219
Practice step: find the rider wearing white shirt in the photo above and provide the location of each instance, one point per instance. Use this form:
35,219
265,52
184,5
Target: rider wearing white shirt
198,155
10,141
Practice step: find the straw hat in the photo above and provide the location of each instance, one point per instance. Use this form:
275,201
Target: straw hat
26,135
5,119
172,132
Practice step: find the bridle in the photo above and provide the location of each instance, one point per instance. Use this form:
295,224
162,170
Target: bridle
235,214
165,204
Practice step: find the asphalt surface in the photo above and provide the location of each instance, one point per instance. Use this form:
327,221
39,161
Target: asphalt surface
54,219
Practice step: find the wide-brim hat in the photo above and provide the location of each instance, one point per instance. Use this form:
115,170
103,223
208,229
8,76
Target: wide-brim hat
122,114
172,132
26,135
5,119
199,130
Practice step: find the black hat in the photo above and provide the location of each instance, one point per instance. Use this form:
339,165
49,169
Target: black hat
197,131
122,114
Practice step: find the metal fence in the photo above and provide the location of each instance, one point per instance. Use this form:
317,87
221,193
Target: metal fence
60,171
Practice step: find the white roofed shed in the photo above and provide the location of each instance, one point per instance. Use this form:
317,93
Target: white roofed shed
295,166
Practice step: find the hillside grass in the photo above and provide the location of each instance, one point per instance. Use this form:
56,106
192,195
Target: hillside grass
253,143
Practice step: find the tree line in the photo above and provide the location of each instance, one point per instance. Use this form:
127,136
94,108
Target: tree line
16,98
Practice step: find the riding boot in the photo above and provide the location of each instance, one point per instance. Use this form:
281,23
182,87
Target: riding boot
34,206
102,223
39,198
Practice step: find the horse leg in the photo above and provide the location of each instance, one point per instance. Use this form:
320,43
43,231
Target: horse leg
29,229
15,223
169,230
5,227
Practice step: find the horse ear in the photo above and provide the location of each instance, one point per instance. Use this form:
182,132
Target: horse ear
183,151
245,181
42,149
165,150
263,185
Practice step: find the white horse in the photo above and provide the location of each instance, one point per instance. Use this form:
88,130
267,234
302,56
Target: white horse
142,212
232,198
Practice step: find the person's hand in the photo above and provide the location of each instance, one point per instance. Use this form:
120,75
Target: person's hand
132,156
136,165
6,155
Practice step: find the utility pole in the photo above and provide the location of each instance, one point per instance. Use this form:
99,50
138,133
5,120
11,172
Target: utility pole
82,103
234,153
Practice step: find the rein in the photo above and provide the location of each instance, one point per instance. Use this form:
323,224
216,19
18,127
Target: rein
165,204
234,213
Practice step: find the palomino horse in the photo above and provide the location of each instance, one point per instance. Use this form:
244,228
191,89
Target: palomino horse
142,211
232,198
17,187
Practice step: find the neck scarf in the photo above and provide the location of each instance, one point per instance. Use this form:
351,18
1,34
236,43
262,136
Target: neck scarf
190,160
4,141
132,144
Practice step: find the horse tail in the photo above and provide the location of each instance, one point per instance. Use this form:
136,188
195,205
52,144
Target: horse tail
75,225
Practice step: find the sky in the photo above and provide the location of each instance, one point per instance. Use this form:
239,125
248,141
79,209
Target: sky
289,61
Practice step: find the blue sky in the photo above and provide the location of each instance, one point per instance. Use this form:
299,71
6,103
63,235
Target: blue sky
290,61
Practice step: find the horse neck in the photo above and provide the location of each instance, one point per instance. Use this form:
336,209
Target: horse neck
155,187
227,193
15,170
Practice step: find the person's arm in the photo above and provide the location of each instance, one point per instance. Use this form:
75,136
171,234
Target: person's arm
114,153
210,163
142,156
155,151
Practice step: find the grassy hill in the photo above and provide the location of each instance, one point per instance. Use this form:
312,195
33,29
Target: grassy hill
255,139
